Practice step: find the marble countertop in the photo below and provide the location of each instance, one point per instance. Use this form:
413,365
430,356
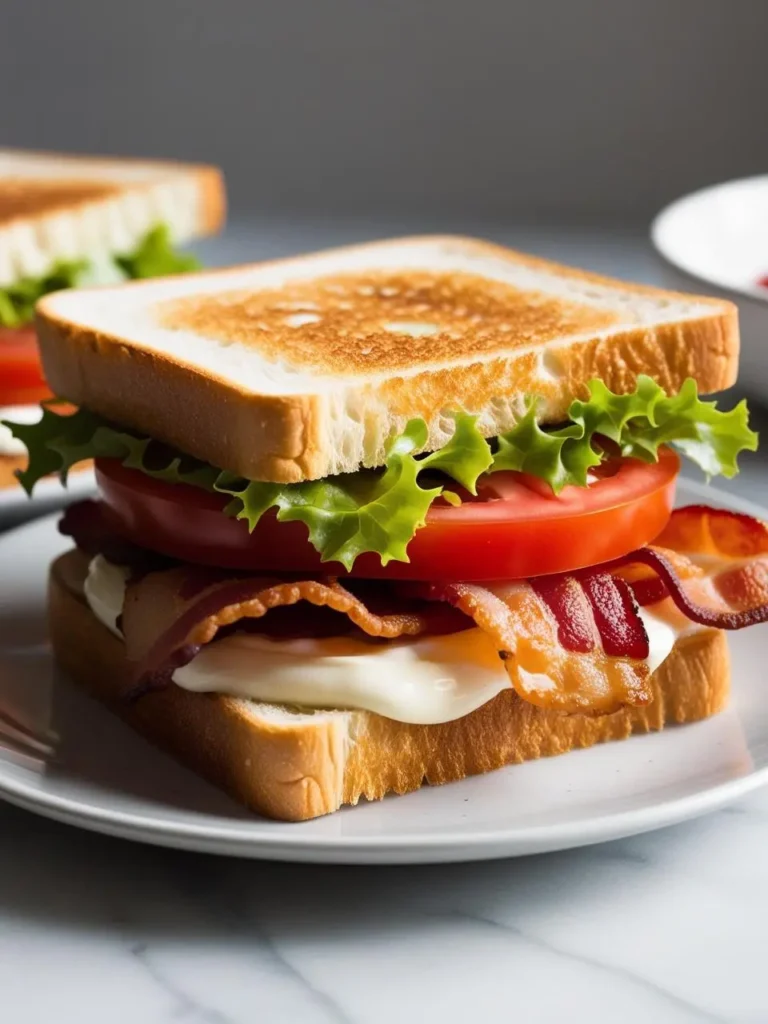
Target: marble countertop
667,927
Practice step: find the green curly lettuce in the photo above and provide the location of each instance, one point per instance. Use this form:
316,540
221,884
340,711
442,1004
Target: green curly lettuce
369,511
154,257
379,511
636,425
17,301
346,515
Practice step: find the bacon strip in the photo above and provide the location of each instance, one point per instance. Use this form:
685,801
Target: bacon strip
748,584
701,530
573,642
712,563
553,649
85,523
621,628
180,609
569,603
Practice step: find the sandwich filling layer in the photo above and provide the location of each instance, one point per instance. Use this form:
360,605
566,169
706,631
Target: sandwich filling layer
421,681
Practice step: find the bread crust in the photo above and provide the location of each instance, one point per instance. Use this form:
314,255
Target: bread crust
297,436
298,770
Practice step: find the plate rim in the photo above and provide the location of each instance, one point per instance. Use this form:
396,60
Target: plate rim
287,843
657,233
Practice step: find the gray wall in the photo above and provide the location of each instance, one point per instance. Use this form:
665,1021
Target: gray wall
533,110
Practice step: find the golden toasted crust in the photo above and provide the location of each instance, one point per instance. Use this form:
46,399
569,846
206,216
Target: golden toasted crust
299,767
9,464
308,433
21,198
26,195
214,199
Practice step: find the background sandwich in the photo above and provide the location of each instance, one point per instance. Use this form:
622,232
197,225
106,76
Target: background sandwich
68,221
393,514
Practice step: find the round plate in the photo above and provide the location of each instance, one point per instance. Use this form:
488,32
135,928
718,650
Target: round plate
49,494
71,760
713,241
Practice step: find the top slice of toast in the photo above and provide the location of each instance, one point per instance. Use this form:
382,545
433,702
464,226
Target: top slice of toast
60,207
302,368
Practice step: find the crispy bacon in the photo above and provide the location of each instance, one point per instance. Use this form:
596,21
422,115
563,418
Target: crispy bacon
181,609
569,603
621,629
553,648
705,600
85,523
574,642
712,563
700,530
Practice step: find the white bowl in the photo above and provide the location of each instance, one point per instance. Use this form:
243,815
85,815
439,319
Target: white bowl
716,241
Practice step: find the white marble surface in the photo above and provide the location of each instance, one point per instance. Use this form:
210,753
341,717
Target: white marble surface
668,927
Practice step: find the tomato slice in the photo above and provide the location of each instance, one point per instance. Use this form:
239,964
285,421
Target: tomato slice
514,531
21,374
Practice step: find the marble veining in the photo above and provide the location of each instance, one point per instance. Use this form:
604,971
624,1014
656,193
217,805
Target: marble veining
669,927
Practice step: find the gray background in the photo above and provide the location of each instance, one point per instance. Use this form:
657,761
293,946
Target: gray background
424,109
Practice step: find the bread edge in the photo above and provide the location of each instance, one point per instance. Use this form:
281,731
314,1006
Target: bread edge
209,178
301,435
302,770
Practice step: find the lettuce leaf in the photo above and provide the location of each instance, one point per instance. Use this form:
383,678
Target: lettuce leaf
347,515
368,511
154,257
637,424
58,442
379,511
17,301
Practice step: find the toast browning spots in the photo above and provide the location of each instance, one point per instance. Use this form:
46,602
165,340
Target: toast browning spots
359,323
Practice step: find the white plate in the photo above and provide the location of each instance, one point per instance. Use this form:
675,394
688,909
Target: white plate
103,777
49,494
716,241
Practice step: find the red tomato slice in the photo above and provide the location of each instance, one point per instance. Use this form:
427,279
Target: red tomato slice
513,532
21,375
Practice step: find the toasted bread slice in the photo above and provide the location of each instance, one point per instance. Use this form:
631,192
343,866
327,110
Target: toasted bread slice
293,766
302,368
56,207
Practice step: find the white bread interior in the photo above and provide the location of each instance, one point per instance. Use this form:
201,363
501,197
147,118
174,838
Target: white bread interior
244,403
295,765
138,195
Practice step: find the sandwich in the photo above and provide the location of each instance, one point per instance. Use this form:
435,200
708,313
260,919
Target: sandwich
393,514
68,221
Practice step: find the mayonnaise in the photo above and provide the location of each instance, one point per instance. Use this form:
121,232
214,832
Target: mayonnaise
423,680
661,637
104,590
